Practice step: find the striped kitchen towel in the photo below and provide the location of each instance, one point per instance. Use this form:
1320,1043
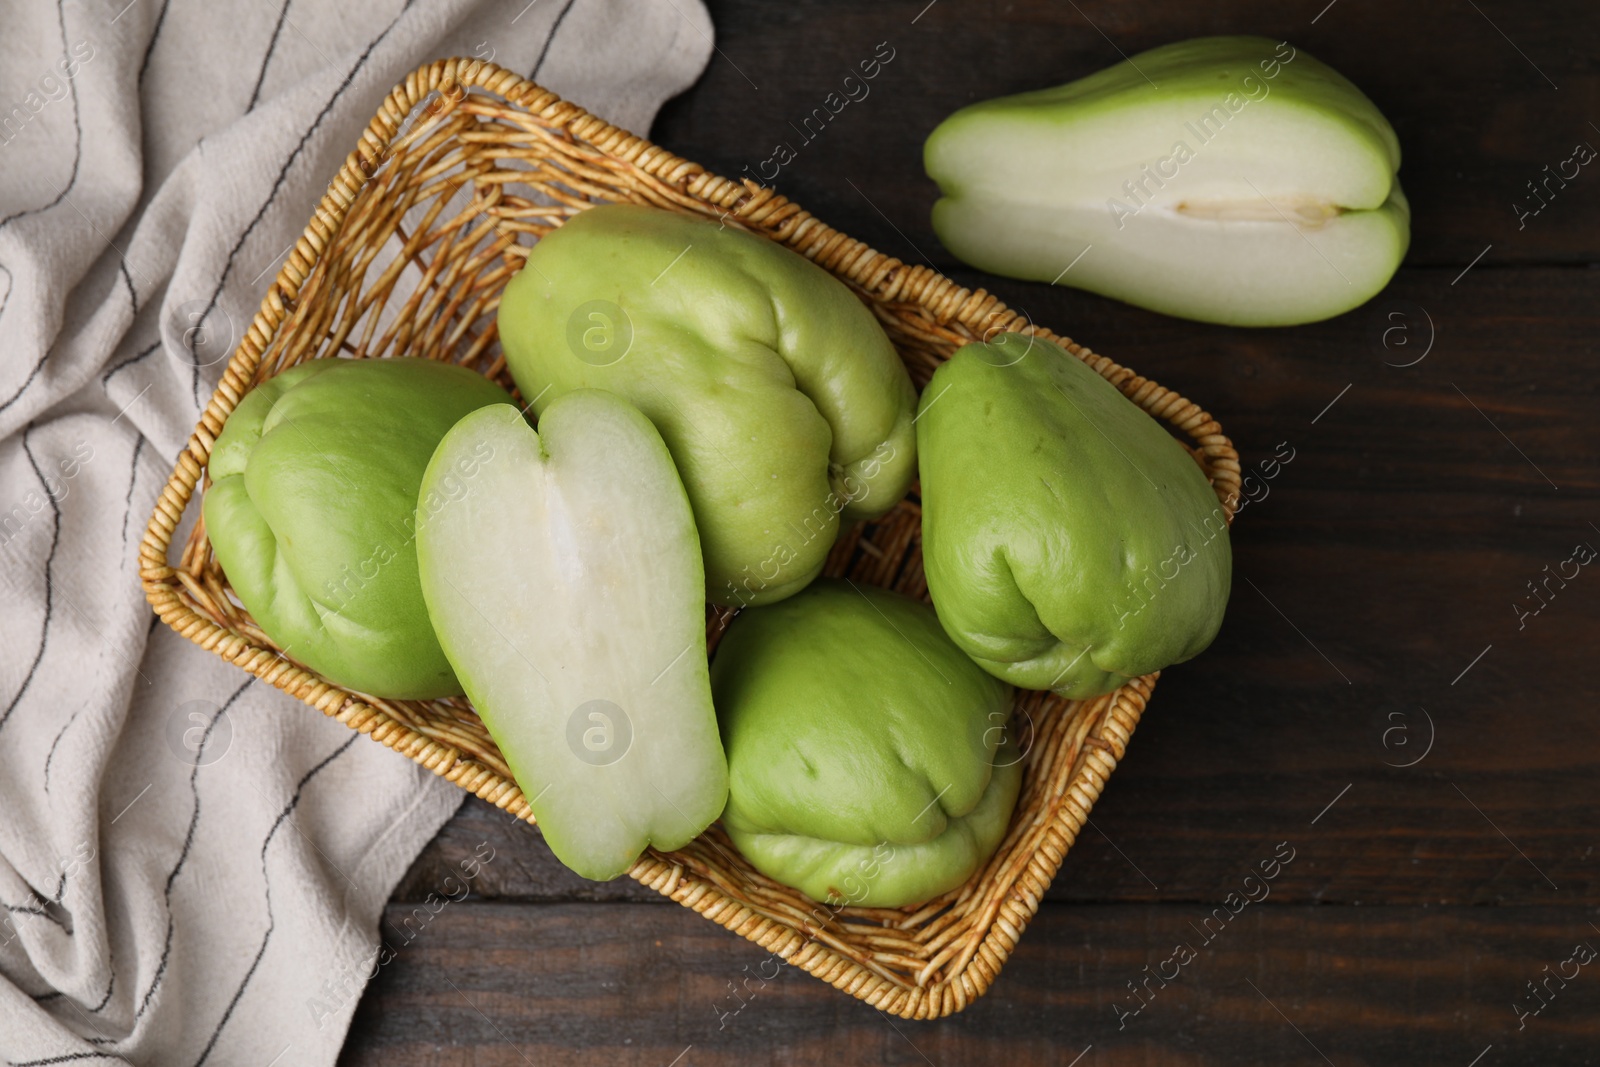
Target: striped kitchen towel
193,865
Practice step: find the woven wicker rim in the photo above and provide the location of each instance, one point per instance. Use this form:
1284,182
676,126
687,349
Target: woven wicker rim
1073,752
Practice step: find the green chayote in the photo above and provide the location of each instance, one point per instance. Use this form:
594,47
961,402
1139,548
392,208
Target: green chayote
1225,179
311,513
784,404
867,755
581,635
1069,541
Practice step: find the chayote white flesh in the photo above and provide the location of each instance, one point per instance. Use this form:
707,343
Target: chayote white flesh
1227,179
563,574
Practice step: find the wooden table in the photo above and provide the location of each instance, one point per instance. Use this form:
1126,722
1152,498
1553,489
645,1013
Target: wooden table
1375,699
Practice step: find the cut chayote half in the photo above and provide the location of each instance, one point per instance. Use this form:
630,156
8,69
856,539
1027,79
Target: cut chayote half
1227,179
563,573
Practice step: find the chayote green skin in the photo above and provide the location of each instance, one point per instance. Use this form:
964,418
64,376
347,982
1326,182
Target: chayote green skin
312,507
1069,541
780,397
865,758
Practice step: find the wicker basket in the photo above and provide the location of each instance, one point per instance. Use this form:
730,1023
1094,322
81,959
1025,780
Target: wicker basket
463,167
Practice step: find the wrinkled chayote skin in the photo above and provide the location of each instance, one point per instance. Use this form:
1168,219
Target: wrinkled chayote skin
781,399
311,513
867,755
1069,541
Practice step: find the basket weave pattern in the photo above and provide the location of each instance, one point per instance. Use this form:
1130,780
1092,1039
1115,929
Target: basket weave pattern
464,166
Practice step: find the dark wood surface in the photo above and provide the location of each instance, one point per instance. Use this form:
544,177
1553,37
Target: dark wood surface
1372,623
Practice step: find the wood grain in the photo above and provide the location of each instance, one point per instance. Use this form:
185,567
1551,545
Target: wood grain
604,984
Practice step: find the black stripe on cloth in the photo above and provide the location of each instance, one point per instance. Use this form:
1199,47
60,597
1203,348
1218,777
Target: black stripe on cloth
72,180
77,125
49,560
52,753
272,46
111,985
555,28
23,388
34,910
283,816
283,173
106,377
144,64
133,294
133,480
188,840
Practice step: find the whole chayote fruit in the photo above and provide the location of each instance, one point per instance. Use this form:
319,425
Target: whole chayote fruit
868,761
312,507
1069,541
784,404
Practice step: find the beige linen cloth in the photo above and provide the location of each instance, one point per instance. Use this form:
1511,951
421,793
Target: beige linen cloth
193,865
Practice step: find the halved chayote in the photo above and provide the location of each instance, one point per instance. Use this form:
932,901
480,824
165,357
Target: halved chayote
1227,179
562,571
